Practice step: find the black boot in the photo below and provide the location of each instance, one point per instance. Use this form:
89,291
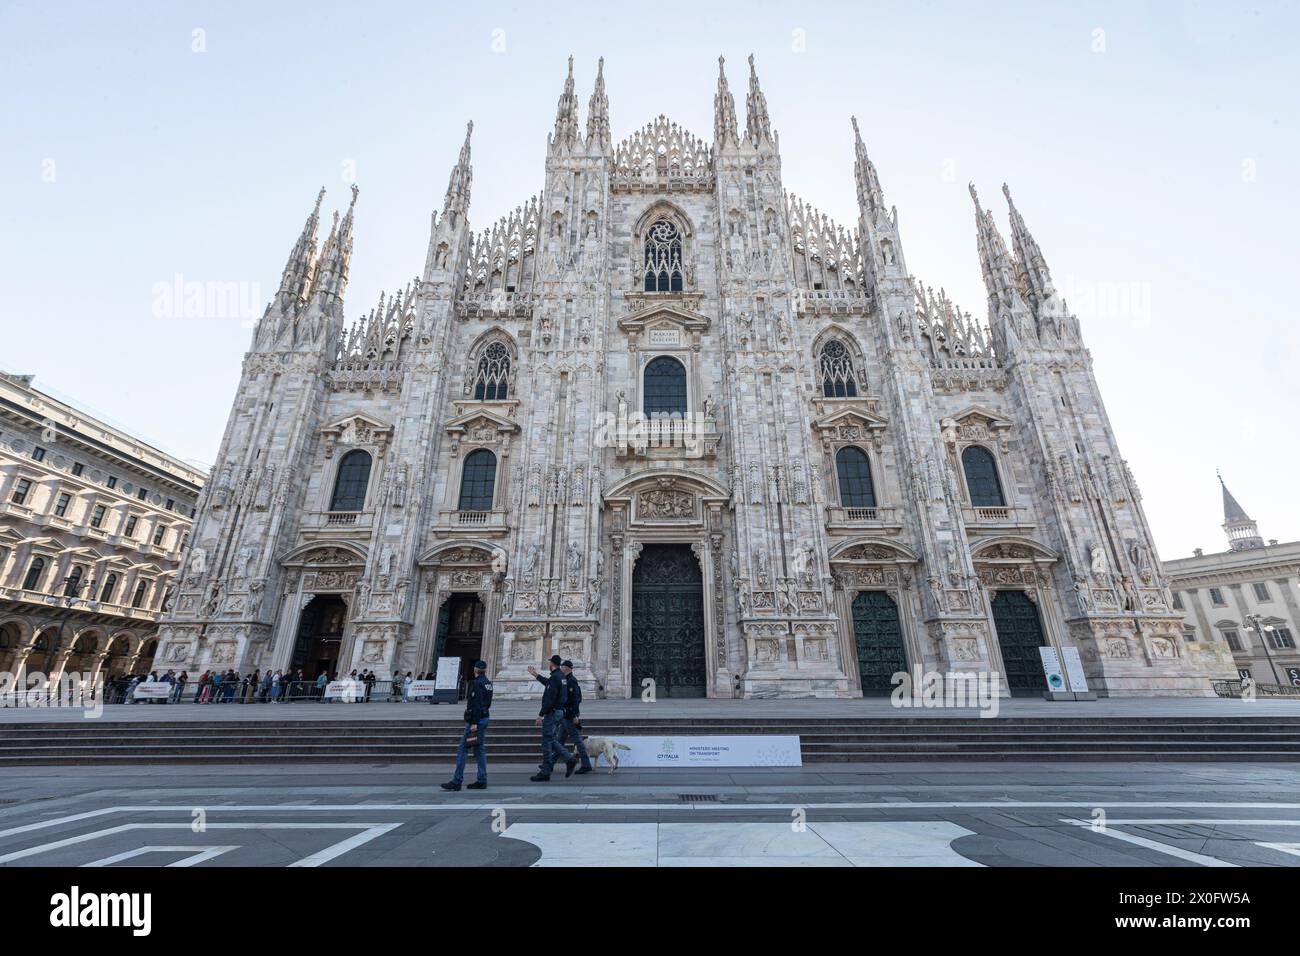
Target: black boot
540,777
477,785
451,786
569,765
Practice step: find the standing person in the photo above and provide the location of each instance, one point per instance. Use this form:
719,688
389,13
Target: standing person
265,693
573,717
321,680
406,686
181,681
476,721
551,720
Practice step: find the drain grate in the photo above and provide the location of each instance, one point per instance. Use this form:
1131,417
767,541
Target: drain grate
698,797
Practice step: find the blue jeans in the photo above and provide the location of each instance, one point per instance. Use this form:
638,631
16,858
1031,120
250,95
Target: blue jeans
552,750
571,732
462,751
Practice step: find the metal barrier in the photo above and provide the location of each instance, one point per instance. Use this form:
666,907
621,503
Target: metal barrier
243,690
1236,688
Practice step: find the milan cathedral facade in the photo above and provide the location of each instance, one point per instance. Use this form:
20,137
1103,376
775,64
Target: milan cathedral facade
670,422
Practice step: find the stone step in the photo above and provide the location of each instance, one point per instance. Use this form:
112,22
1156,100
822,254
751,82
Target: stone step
529,759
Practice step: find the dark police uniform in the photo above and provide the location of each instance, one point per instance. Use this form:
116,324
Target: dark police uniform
552,714
477,708
572,716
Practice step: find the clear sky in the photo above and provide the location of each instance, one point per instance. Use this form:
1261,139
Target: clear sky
1153,149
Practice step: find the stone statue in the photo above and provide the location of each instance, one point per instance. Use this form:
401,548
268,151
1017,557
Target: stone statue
1097,563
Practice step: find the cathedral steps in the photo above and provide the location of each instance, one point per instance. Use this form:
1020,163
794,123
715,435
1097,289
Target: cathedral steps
824,740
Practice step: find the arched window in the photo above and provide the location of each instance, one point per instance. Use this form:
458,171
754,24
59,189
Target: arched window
854,471
34,572
350,484
982,478
73,584
663,257
140,590
665,387
478,481
492,378
838,378
106,594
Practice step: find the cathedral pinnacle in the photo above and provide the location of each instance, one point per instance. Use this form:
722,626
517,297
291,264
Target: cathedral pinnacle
462,177
297,271
758,126
566,114
1036,279
864,171
724,111
598,112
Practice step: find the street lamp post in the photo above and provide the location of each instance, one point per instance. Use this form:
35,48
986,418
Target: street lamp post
1256,624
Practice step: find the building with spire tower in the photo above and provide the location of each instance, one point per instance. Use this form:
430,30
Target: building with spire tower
669,421
1245,597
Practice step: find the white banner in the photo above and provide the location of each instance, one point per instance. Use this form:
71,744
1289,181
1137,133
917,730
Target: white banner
741,750
1052,668
423,688
349,690
1074,670
154,690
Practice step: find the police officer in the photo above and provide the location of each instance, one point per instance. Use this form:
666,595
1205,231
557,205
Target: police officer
551,720
573,716
476,721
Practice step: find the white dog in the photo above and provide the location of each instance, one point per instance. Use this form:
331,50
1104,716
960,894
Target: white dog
597,747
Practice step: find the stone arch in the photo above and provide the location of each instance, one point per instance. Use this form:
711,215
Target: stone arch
1010,547
326,551
874,550
702,483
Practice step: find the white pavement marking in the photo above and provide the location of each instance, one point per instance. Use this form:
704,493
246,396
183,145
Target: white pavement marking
1292,848
204,854
784,808
1152,844
1182,854
370,831
487,807
901,843
351,843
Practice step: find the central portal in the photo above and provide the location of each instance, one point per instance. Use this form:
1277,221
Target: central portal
460,634
668,622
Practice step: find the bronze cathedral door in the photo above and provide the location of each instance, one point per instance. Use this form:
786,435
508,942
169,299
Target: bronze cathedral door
668,622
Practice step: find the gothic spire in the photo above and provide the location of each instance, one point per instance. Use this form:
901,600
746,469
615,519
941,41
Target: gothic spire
566,114
336,255
598,112
864,171
462,177
1037,280
1243,533
724,111
758,126
297,271
995,261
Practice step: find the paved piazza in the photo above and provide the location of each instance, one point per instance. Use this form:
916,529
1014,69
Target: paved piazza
937,814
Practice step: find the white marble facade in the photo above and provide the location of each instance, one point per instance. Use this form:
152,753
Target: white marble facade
504,494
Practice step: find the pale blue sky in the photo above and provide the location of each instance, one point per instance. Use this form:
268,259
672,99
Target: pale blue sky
1159,176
